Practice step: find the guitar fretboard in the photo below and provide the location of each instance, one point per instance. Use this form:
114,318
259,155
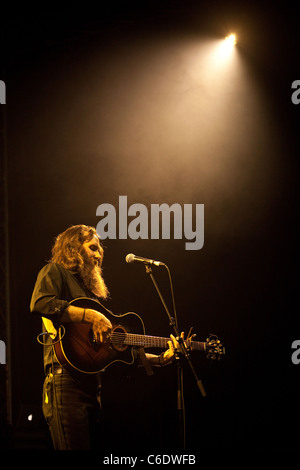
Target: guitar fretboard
146,341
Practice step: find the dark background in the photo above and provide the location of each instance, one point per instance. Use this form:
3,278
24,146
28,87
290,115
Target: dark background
123,100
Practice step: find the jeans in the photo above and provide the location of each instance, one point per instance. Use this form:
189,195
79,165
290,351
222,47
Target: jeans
71,409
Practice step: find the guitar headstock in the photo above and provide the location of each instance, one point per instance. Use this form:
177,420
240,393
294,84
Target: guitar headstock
215,349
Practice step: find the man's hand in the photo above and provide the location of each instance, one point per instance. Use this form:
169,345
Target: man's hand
100,324
169,354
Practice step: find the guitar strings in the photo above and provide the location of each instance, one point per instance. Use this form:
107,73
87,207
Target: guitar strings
132,339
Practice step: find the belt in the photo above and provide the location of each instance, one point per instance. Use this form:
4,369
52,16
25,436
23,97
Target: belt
55,370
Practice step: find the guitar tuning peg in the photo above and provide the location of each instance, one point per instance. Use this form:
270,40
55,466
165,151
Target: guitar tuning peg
190,331
190,335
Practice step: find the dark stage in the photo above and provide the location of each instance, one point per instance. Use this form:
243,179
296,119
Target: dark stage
140,101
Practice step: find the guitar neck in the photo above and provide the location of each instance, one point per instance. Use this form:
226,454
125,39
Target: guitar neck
146,341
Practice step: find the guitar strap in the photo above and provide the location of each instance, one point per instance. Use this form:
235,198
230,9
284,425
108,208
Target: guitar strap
145,362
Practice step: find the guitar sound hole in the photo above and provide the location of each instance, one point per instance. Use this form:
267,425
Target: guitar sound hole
118,337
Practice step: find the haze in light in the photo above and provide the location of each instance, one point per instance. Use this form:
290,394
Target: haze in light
165,121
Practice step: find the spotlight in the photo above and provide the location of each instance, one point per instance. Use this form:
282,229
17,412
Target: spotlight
230,40
225,49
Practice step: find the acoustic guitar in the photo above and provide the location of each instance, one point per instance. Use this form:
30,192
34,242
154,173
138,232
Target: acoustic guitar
75,343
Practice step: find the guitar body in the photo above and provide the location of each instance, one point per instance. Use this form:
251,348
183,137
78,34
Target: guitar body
77,348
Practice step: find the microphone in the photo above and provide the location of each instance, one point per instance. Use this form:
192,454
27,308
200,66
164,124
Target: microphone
131,258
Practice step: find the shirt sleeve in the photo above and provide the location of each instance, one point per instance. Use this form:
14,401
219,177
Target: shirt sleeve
47,297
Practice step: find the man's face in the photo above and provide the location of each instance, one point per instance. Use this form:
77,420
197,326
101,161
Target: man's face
91,252
91,273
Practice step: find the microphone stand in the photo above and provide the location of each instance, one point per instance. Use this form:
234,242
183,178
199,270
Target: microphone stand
184,353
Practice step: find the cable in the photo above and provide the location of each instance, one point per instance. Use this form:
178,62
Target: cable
45,333
54,402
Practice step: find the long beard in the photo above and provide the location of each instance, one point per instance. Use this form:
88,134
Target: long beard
91,275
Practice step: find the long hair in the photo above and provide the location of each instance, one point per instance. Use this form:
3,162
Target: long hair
67,245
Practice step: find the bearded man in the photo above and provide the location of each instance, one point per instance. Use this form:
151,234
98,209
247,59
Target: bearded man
70,398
